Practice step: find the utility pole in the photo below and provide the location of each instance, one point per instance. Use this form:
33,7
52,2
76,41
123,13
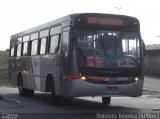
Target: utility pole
118,9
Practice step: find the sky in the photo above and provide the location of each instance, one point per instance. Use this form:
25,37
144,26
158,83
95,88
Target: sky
20,15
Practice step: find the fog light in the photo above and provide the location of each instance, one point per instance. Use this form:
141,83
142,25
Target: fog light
136,79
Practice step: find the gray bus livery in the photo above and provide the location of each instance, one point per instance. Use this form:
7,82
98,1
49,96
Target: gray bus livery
87,54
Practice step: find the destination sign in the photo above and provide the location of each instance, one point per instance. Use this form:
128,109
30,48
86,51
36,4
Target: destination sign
104,21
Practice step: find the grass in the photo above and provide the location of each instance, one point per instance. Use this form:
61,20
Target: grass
4,60
4,68
5,82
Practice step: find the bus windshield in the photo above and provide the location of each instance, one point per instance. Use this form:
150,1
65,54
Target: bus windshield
108,49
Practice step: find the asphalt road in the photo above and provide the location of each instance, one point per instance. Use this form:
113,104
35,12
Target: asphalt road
40,105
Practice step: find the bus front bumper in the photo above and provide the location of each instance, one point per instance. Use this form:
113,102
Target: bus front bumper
80,88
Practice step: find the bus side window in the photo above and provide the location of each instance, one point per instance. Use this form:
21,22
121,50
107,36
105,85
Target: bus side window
33,43
25,45
43,41
19,50
43,45
65,42
34,47
12,52
25,48
54,43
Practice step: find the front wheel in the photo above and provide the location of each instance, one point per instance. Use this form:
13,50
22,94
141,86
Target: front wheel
23,91
56,100
106,100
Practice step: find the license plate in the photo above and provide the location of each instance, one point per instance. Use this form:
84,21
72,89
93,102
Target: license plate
112,88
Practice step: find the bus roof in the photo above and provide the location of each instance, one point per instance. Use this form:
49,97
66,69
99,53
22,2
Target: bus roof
60,21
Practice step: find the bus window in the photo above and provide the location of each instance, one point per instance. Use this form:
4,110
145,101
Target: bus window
34,47
54,43
131,47
19,40
26,38
12,52
43,46
55,30
25,48
65,42
34,36
25,44
19,50
44,33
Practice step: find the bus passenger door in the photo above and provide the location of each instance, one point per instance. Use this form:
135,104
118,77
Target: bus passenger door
64,65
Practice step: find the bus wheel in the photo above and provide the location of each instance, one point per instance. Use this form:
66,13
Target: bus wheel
56,100
23,91
106,100
29,92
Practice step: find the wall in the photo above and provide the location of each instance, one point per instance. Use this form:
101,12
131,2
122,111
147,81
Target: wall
152,62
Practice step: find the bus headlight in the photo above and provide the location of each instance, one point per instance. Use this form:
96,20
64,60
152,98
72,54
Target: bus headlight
83,78
136,79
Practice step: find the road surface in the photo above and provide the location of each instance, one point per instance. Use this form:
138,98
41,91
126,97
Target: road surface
40,105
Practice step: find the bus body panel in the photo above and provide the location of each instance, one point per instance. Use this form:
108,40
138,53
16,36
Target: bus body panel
35,72
49,66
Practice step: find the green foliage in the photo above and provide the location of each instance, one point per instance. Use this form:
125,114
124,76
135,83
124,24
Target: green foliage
4,55
4,60
4,82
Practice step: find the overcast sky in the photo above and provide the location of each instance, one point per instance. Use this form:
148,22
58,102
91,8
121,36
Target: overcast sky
19,15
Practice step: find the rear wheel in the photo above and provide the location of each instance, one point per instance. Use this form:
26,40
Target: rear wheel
22,90
106,100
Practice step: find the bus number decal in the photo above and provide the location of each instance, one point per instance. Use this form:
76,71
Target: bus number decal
95,62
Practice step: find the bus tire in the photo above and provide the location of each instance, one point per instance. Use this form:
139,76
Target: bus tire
56,100
106,100
29,92
23,91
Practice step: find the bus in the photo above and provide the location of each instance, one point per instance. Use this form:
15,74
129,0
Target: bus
85,54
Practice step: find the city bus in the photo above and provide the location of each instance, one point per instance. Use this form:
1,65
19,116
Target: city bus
85,54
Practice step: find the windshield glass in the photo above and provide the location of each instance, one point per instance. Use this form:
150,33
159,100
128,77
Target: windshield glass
108,49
